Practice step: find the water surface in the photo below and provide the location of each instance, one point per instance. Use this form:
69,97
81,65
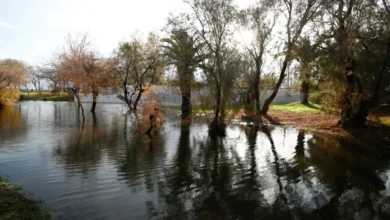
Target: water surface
108,171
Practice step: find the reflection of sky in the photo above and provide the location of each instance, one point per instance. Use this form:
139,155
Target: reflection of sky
110,171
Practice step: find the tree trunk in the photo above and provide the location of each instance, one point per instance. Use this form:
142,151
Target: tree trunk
126,94
305,92
354,115
95,95
28,91
218,104
269,100
138,98
76,93
186,107
354,106
39,88
217,126
249,100
256,83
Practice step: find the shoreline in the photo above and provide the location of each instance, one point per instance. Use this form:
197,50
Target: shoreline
375,135
15,205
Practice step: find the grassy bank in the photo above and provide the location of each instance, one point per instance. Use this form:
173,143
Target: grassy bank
281,107
295,107
15,206
45,96
386,121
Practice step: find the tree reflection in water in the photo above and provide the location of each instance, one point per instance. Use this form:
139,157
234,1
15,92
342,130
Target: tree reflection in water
255,172
212,181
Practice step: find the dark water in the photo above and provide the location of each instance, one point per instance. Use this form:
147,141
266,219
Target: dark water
108,171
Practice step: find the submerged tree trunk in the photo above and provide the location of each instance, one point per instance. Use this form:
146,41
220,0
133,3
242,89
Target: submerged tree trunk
125,93
217,126
185,89
305,92
76,93
95,95
186,106
138,98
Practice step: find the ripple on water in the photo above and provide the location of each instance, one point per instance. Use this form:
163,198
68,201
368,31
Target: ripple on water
108,171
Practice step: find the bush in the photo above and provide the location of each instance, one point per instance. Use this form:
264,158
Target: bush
8,96
315,97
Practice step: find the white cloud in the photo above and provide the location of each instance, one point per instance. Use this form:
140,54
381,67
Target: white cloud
9,26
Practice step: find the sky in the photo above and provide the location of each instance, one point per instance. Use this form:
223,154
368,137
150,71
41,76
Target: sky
32,30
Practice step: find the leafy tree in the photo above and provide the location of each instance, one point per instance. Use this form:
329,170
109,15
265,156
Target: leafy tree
182,51
306,53
260,19
297,13
12,76
139,64
357,56
213,21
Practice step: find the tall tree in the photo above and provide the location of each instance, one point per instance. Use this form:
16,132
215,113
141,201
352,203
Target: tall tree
297,13
182,52
72,62
359,49
213,21
123,60
260,19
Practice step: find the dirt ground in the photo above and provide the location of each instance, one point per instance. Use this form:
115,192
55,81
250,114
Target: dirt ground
376,134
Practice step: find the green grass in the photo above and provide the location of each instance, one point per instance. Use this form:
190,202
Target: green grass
281,107
173,107
386,121
295,107
15,206
45,96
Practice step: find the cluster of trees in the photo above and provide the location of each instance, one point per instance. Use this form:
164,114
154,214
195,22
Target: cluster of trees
337,48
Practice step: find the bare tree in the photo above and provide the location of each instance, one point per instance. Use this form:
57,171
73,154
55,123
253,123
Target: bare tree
36,76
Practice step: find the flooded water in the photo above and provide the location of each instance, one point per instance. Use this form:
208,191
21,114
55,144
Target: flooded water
108,171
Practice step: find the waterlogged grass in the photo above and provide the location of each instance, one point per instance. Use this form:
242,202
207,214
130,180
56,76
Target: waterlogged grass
14,206
45,96
295,107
